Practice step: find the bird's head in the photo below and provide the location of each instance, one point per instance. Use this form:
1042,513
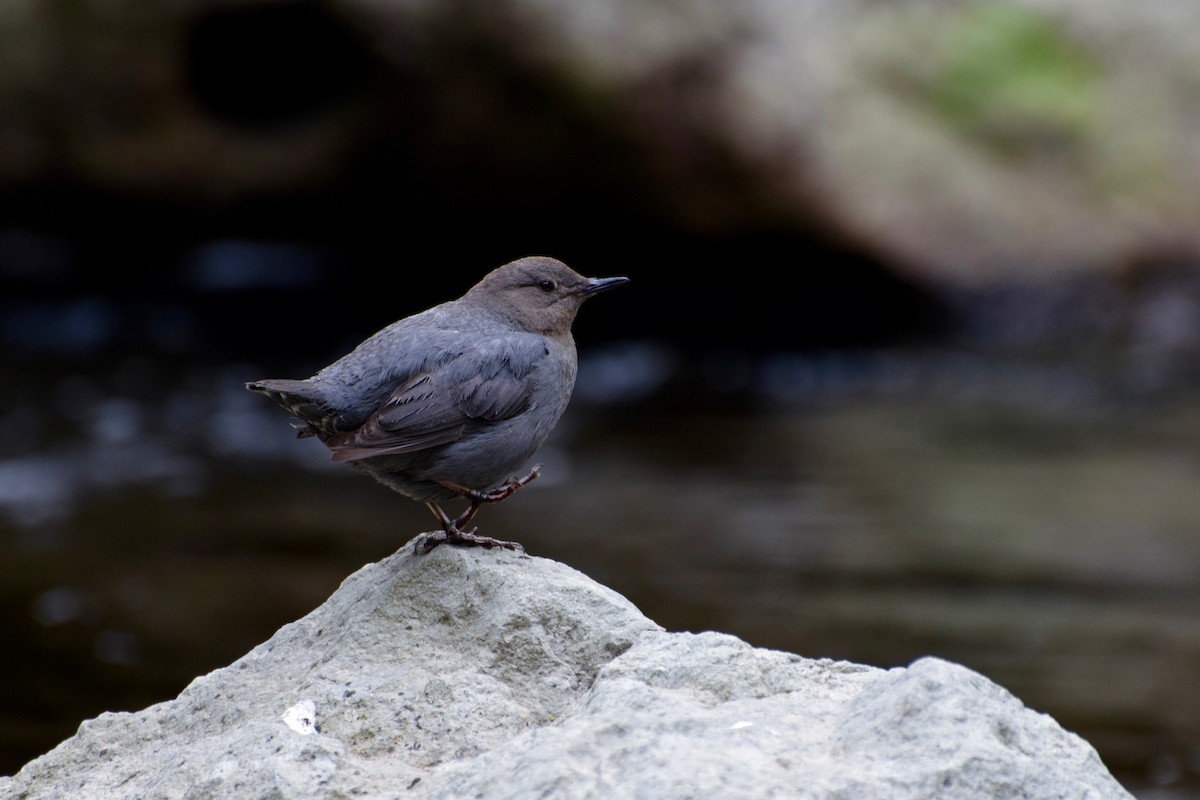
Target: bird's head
537,293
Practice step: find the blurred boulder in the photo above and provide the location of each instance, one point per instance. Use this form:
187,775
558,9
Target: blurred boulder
194,102
986,139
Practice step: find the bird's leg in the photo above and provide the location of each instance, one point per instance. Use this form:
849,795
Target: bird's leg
450,534
445,521
477,499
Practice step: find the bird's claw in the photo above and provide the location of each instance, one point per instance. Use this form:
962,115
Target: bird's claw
462,539
452,532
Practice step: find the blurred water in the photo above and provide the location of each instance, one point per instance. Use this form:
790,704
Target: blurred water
1031,520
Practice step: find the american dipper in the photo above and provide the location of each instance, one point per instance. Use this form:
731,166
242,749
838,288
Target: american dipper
449,402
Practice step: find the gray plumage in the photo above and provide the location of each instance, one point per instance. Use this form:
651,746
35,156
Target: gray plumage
450,402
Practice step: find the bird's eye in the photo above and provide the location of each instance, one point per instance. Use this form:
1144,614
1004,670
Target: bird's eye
546,285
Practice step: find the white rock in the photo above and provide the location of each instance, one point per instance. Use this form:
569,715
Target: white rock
302,717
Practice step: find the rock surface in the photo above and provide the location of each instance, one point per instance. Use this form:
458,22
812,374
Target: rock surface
467,673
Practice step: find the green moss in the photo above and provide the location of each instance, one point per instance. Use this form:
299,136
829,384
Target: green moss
1001,66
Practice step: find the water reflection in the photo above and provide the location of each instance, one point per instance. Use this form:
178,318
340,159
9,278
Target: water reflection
77,326
241,264
625,372
1035,521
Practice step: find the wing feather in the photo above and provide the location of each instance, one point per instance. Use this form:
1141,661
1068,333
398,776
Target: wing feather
488,383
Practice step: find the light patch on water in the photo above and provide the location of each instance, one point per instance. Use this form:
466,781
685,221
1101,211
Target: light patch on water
76,327
624,373
116,420
956,376
107,441
36,490
65,604
243,264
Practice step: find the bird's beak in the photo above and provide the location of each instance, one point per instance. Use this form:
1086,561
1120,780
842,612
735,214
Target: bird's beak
596,285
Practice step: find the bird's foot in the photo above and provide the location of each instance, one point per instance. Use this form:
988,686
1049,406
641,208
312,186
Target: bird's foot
452,535
452,529
507,488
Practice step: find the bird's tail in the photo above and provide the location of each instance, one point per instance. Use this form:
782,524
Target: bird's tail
301,399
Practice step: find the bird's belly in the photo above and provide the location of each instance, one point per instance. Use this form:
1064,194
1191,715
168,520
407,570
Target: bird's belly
488,456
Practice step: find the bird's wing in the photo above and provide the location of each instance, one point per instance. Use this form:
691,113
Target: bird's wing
489,382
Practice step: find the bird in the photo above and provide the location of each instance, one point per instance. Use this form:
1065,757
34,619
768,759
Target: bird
448,403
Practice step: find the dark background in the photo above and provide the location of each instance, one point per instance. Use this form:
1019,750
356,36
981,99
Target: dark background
779,431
